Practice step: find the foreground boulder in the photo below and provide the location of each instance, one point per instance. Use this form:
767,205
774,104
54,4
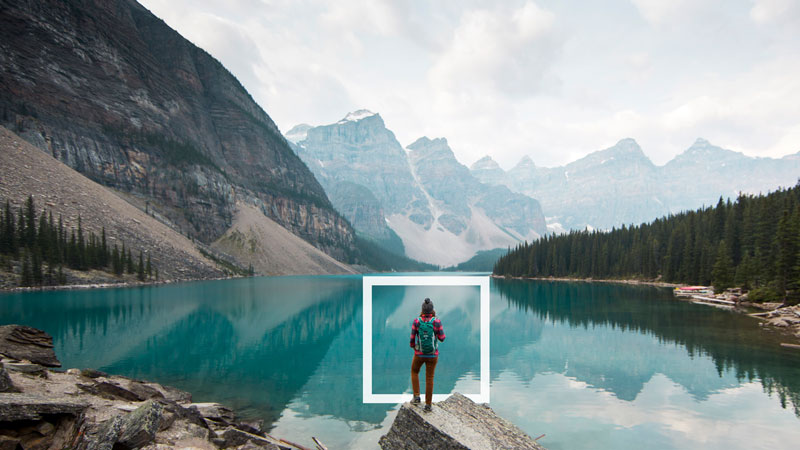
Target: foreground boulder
21,342
41,408
456,423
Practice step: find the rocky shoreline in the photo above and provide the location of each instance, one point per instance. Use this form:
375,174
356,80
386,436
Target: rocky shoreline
106,285
594,280
784,318
775,315
43,408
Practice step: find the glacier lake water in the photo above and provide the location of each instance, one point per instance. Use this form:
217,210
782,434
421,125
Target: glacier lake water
590,365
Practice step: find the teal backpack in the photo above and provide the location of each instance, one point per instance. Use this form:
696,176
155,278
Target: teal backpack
427,337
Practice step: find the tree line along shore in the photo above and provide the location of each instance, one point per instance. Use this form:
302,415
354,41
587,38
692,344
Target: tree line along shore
752,243
35,248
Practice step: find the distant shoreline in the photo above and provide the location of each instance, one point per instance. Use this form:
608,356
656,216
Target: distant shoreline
596,280
776,317
123,284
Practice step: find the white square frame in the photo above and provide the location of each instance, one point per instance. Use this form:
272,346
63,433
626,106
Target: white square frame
370,281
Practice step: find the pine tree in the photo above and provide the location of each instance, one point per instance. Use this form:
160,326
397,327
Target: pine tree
7,235
82,254
30,223
26,277
50,279
140,267
104,249
52,241
73,260
722,275
41,235
20,233
149,269
116,261
786,244
36,269
129,262
61,240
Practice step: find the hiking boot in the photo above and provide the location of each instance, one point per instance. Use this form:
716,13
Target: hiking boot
415,400
427,407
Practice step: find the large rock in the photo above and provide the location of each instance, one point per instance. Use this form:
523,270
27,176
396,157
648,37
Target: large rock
5,381
21,342
15,407
456,423
101,436
139,428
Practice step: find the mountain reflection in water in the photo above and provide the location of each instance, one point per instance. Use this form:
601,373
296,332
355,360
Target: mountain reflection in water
589,364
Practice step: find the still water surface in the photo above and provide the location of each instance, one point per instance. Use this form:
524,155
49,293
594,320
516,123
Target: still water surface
589,365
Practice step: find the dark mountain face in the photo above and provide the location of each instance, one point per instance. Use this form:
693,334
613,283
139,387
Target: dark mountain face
112,91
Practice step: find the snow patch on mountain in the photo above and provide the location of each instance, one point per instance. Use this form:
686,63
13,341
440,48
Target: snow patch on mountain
355,116
436,245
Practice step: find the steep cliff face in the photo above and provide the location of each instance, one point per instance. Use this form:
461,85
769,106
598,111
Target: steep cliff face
439,210
112,91
366,173
360,149
357,203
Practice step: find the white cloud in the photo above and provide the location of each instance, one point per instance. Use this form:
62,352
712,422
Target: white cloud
768,12
515,78
671,12
498,52
754,112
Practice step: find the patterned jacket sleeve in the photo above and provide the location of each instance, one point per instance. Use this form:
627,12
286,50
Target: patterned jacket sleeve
438,329
414,330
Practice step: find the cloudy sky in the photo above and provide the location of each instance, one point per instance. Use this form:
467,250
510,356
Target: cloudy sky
551,79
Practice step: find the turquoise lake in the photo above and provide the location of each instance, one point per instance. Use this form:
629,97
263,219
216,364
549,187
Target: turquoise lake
590,365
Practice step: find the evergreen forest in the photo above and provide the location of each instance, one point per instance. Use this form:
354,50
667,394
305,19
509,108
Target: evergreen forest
752,243
42,247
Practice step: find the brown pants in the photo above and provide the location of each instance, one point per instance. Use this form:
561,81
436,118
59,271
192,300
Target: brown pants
430,368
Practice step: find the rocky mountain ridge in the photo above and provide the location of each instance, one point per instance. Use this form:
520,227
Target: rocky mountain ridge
421,194
65,193
620,185
110,90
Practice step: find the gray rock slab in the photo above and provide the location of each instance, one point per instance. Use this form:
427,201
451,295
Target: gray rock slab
143,391
30,369
139,428
103,436
21,342
19,406
456,423
5,381
215,411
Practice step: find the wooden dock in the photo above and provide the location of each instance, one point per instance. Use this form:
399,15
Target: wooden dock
713,301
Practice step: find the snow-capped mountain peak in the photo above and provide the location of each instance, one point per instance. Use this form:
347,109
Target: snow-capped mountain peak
355,116
525,163
485,163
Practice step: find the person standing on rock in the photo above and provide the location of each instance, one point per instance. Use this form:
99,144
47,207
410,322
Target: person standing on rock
426,333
